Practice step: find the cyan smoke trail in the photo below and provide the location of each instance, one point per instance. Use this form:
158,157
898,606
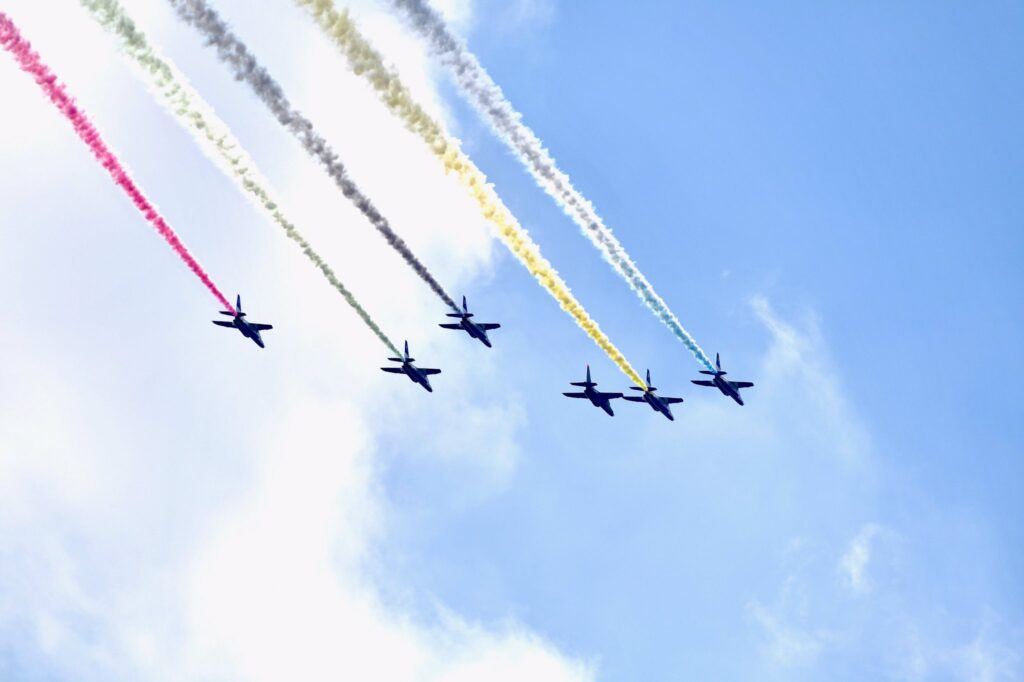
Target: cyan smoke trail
489,100
213,136
236,55
12,41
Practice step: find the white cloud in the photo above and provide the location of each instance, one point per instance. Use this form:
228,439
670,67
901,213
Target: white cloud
163,521
854,562
785,644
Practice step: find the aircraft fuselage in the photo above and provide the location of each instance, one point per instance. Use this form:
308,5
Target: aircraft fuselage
728,389
418,377
658,406
599,400
248,332
475,331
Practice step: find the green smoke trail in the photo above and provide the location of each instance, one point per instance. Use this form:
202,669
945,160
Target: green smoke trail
212,135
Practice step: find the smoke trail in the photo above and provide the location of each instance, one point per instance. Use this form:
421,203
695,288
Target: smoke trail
489,100
12,41
234,53
211,134
364,60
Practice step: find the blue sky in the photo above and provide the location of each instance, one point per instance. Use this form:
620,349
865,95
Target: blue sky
824,193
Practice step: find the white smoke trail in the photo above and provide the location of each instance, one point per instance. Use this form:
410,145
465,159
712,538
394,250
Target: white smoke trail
489,100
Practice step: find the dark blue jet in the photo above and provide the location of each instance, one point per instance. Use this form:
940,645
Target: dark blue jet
477,330
250,330
417,375
599,399
728,388
657,403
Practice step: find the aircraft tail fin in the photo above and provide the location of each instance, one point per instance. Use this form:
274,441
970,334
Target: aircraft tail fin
586,383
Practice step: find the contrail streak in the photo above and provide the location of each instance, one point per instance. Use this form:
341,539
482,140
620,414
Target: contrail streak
212,135
235,54
489,100
366,61
29,61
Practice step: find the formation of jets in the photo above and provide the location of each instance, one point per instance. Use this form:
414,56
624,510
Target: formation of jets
478,330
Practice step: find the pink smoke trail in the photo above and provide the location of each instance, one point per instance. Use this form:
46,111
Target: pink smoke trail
12,41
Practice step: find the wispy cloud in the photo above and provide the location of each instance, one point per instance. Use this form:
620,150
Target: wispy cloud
785,644
854,562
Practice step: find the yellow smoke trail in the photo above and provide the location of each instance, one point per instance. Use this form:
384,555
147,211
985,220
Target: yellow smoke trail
367,62
213,135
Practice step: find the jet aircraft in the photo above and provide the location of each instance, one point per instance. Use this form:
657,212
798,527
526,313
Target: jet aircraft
416,374
477,330
657,402
250,330
728,388
599,399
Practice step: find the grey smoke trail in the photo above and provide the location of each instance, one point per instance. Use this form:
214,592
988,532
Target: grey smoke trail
489,100
236,55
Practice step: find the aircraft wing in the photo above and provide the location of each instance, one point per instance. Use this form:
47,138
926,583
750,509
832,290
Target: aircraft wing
450,326
222,323
609,395
261,327
575,395
393,370
429,371
671,401
702,382
741,384
488,326
633,398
